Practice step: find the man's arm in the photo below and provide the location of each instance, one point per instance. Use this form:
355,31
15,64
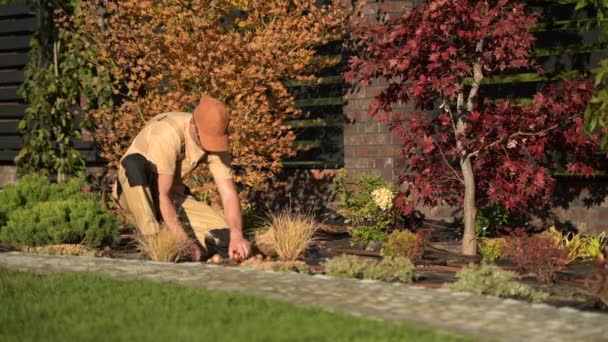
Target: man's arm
232,211
169,215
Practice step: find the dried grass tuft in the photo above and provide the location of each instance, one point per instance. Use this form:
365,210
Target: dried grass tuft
163,246
286,234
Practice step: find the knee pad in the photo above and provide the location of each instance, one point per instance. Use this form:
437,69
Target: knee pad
137,169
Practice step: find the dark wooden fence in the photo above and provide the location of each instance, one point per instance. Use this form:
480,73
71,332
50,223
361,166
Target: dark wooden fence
17,24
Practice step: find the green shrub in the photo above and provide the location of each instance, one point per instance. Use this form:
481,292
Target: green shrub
491,280
389,269
490,249
367,204
404,244
33,189
490,218
70,221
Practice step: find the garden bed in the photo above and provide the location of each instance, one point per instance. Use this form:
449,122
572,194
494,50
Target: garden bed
572,287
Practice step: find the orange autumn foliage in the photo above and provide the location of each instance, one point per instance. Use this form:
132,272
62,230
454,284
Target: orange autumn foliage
163,55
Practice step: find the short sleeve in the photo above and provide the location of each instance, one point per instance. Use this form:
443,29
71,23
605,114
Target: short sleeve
219,165
164,147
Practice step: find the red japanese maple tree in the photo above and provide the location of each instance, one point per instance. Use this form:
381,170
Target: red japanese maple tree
460,149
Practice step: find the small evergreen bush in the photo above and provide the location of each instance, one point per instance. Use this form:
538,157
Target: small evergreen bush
35,212
389,269
404,244
491,280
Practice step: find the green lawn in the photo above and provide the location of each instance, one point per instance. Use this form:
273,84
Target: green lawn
76,307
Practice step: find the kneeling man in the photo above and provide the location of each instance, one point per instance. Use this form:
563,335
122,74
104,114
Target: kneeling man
150,184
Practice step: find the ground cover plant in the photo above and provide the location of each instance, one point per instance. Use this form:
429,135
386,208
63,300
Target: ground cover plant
35,212
387,269
460,149
490,280
72,307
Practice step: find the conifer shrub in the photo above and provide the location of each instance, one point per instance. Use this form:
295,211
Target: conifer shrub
491,280
35,212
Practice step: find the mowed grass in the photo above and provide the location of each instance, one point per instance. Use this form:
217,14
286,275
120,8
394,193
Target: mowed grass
82,307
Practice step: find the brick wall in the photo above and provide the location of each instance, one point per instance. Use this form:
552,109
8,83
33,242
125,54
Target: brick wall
369,147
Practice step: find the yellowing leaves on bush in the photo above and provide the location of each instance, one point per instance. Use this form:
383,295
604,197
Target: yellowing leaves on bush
163,55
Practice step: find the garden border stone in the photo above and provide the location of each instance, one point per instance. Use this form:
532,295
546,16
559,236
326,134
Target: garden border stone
483,317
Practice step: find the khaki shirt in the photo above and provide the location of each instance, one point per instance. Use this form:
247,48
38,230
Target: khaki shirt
165,141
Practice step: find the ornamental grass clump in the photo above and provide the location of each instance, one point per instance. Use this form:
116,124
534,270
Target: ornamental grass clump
389,269
286,234
491,280
404,244
163,246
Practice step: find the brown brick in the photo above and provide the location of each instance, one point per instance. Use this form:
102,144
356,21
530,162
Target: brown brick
377,139
349,152
371,127
355,140
350,129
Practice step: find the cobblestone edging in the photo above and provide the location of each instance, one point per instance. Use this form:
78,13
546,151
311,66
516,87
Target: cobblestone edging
485,317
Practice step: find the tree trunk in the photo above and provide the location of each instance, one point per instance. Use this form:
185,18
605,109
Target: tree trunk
469,238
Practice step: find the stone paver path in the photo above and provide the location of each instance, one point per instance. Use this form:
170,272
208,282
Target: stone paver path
487,318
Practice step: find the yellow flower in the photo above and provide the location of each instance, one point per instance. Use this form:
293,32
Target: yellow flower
383,198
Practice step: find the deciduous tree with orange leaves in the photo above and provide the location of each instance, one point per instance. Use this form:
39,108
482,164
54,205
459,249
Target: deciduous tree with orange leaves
162,55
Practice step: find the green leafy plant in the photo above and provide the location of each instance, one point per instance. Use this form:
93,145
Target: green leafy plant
367,204
389,269
592,246
570,242
491,280
60,82
489,219
404,244
490,249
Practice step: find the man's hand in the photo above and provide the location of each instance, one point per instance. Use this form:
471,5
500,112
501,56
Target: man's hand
239,247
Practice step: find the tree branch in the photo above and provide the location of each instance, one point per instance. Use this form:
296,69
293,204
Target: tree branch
515,135
477,77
